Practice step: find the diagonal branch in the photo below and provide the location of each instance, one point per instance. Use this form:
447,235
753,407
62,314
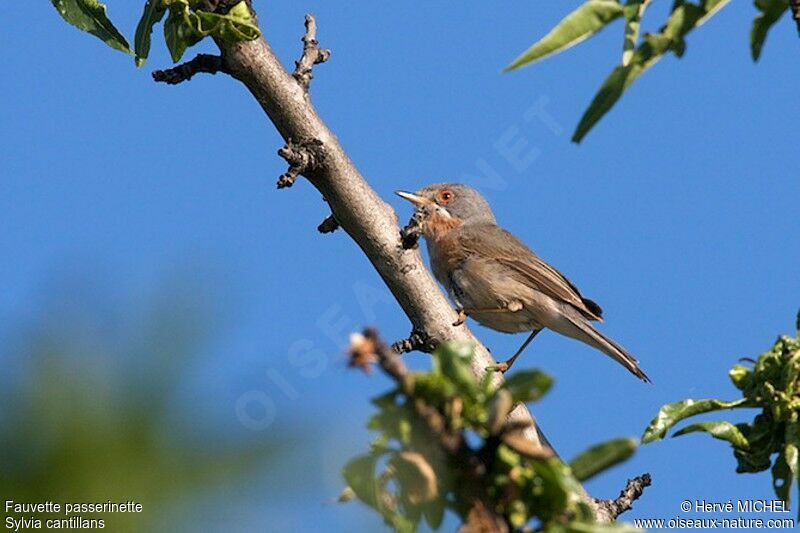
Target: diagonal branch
355,205
209,64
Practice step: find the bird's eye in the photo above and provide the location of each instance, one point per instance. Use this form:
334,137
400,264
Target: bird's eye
445,197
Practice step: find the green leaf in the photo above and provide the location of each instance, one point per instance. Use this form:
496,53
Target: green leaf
434,513
602,457
454,362
234,26
710,8
647,55
749,462
400,523
797,324
785,471
576,27
185,26
527,385
359,474
684,18
179,31
770,12
740,376
633,17
557,489
90,16
672,413
787,465
620,79
386,400
719,430
153,13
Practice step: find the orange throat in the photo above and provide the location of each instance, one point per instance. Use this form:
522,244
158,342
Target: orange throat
438,226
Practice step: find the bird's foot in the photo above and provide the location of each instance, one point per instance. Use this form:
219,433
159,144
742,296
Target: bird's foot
462,317
499,367
503,367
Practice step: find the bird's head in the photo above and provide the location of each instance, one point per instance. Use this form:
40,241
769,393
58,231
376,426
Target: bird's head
453,202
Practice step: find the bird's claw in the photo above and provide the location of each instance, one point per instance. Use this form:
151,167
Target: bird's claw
462,317
499,367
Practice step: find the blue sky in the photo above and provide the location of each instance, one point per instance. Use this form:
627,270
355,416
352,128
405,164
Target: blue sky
678,214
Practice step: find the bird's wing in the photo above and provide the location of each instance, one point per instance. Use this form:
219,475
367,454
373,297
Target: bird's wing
494,243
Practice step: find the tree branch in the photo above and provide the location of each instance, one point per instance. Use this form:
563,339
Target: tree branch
312,55
355,205
329,225
609,510
209,64
418,341
303,156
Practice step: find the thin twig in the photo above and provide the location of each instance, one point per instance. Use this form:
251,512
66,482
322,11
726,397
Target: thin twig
417,341
329,225
210,64
611,509
303,156
312,55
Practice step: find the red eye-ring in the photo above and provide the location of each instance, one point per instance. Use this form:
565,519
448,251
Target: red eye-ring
445,197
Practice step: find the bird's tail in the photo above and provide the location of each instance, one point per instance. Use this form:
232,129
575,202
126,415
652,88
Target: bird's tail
584,331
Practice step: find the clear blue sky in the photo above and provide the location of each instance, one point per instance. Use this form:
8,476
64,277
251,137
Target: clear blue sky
678,214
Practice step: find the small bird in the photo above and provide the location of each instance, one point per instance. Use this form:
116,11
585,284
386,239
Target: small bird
494,278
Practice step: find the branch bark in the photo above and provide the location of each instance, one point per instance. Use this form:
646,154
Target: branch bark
312,55
209,64
371,223
609,510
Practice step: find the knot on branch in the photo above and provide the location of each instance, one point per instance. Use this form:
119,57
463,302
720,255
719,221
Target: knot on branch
312,55
207,63
609,510
329,225
417,341
411,233
303,156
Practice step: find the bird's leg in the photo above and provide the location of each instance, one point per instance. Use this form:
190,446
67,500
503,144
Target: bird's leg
463,313
462,316
503,367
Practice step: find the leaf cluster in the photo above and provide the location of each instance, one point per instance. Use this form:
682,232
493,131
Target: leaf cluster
772,385
445,441
187,24
638,53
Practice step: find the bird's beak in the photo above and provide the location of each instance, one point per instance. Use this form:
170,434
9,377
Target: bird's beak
413,198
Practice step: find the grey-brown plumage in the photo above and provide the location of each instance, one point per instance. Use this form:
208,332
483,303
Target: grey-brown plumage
494,278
